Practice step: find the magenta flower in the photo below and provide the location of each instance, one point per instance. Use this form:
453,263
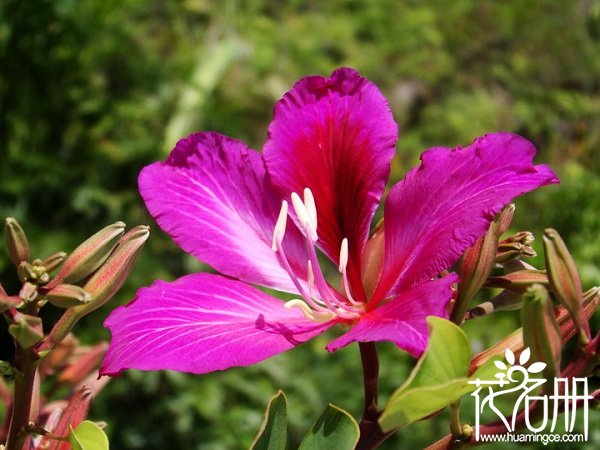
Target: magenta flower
259,218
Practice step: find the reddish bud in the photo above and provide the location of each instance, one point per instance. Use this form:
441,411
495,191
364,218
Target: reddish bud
518,281
475,266
53,261
89,256
68,295
506,216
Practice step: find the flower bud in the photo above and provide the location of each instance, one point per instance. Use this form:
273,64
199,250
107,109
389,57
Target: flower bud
27,330
564,280
505,301
102,285
518,281
508,251
110,277
90,255
16,241
53,261
475,266
540,329
506,216
28,292
68,295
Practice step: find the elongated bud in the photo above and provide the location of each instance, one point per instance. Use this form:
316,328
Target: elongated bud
26,329
518,281
505,301
564,280
516,246
90,255
68,295
53,261
111,276
475,266
16,241
102,285
506,216
540,329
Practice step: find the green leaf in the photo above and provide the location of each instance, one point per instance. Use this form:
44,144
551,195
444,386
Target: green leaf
273,431
88,436
438,379
334,430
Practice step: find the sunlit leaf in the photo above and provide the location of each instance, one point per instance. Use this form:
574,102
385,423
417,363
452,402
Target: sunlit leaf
273,431
438,379
88,436
334,430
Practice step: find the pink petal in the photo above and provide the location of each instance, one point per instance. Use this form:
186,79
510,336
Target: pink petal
213,198
201,323
402,320
337,137
442,206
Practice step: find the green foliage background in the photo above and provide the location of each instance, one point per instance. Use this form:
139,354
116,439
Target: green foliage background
92,90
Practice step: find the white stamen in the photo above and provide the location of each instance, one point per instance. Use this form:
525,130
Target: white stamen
311,208
279,230
304,217
310,277
343,255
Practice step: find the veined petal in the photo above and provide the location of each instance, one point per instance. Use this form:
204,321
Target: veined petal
337,137
201,323
402,320
442,206
212,196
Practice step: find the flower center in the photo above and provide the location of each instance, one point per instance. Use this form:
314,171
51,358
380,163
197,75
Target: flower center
319,302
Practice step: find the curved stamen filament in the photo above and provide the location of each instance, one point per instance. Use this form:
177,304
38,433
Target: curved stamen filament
316,316
342,268
328,304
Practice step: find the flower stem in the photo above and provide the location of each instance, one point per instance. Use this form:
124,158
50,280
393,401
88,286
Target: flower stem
455,426
26,363
371,434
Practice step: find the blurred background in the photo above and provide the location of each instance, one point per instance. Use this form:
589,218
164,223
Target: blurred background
93,90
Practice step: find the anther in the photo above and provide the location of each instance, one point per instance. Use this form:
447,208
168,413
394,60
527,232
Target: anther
343,255
304,217
279,230
311,208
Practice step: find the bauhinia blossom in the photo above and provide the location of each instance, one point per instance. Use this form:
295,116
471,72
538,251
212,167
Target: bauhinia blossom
261,219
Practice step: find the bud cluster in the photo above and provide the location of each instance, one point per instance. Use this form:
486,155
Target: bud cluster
78,283
497,264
